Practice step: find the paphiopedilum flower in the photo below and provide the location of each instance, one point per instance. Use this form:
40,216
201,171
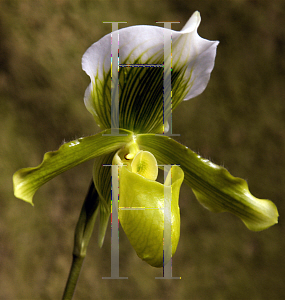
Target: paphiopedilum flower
141,118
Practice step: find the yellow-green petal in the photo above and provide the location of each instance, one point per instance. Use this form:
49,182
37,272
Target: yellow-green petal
26,181
144,226
214,187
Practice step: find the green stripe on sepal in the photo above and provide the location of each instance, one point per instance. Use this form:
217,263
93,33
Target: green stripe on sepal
140,99
141,89
214,187
27,181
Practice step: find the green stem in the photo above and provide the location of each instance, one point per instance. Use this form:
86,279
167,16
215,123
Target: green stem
73,277
83,232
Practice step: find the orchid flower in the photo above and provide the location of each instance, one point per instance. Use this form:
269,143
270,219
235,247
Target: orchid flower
140,148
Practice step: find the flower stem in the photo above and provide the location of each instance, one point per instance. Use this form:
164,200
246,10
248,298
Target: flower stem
83,232
73,277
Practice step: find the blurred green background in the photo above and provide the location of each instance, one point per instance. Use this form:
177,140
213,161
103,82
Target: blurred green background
238,122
